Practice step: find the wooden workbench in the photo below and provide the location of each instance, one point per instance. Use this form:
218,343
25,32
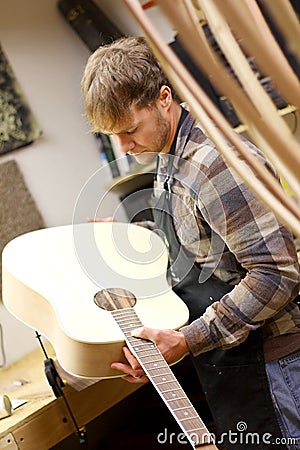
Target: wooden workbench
44,420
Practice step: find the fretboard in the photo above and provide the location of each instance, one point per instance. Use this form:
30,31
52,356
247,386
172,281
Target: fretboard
163,379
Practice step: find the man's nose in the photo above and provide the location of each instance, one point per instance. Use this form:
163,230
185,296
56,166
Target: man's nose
124,142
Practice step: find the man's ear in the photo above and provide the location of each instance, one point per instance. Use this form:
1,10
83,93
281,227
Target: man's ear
165,96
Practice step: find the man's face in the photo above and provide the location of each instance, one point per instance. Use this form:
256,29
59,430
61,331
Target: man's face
146,134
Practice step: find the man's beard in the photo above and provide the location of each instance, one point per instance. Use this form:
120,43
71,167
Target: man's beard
162,133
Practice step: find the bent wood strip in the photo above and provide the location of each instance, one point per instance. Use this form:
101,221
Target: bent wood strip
286,19
181,14
201,106
251,85
259,42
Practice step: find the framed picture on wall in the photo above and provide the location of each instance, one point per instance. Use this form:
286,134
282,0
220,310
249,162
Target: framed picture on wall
18,126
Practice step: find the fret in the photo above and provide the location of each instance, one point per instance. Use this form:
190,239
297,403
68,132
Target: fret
168,387
183,400
156,371
177,406
149,350
123,319
161,380
172,391
181,408
160,374
127,330
168,384
129,326
141,346
193,421
148,357
157,374
174,399
126,312
155,363
195,430
126,316
184,415
141,342
162,365
179,402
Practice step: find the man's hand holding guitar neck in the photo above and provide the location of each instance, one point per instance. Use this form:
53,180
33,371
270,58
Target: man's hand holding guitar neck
172,345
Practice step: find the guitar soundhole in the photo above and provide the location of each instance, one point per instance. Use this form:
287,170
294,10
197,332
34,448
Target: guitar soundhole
114,298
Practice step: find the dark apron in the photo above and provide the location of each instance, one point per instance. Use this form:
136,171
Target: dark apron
234,381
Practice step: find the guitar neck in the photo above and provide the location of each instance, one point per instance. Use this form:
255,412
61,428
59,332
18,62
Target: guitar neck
163,379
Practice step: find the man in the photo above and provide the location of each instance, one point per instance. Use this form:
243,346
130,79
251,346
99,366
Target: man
231,261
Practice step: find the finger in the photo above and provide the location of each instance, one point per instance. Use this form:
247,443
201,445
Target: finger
136,380
150,334
129,372
104,219
143,332
107,219
133,368
131,359
93,220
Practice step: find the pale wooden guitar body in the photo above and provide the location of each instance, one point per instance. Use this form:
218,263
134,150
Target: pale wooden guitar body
50,277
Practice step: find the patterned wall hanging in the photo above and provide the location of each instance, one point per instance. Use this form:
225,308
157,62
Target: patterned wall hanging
18,126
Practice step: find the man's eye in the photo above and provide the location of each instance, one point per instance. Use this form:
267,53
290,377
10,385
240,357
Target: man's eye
131,132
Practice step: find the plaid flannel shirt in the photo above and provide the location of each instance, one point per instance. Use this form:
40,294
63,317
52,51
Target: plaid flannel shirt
233,235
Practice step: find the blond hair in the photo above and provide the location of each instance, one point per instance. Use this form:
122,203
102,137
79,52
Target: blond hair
118,75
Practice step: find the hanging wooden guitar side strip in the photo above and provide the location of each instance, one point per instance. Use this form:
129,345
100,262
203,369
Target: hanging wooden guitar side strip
252,86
